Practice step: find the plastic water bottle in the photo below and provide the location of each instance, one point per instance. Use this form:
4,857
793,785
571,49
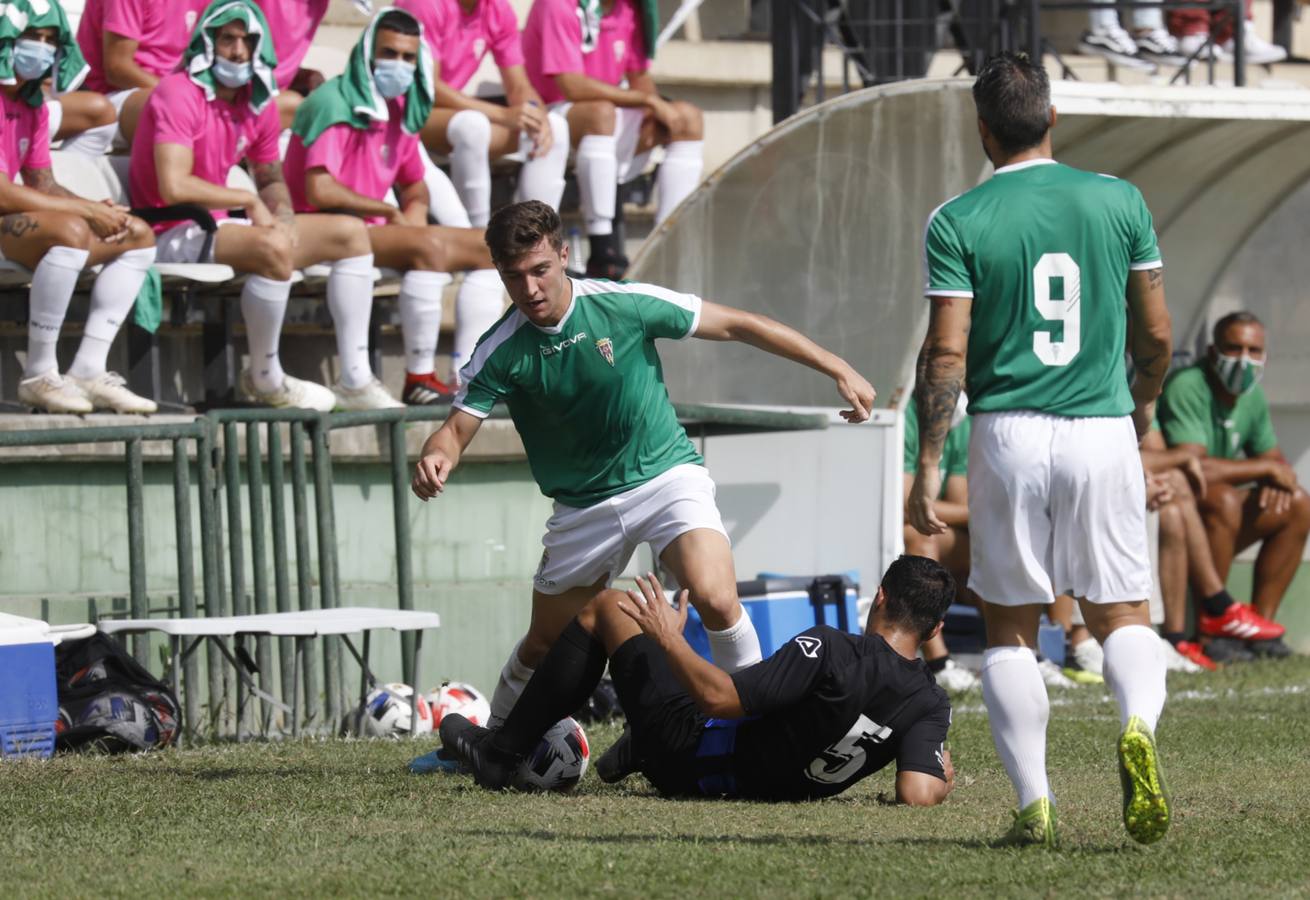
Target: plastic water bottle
576,262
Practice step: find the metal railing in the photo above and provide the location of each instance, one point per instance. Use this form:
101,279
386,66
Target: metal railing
215,442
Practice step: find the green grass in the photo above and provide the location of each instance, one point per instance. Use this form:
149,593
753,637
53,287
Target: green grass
344,818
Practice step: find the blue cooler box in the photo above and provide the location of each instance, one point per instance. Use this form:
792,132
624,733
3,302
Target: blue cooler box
29,701
781,608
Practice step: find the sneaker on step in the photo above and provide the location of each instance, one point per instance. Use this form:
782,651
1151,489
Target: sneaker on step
1240,621
52,393
1192,651
1089,656
1116,45
956,679
1175,661
292,394
1034,826
1052,675
1201,47
1159,46
371,396
109,391
425,390
1259,52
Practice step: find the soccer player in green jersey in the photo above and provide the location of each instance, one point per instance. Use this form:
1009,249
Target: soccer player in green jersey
575,362
1027,279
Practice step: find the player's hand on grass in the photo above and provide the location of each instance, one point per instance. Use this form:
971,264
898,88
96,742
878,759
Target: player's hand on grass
921,506
856,391
430,475
652,613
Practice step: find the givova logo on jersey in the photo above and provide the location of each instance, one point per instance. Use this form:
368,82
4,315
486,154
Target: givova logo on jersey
566,343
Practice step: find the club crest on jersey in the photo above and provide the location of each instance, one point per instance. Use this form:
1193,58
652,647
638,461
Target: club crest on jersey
242,143
606,348
809,645
566,343
23,144
479,47
619,47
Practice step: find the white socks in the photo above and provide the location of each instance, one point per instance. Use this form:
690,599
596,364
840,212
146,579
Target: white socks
469,133
443,200
1018,709
513,678
53,283
479,303
598,181
112,297
263,306
1134,669
543,178
350,300
678,176
420,318
736,646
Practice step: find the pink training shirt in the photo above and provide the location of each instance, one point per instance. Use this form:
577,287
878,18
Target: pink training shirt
459,40
293,24
552,44
369,161
161,31
218,133
25,140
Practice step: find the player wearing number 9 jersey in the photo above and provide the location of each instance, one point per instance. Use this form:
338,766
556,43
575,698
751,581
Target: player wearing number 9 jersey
1032,278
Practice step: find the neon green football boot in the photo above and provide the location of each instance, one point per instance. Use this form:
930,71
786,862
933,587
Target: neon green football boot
1146,800
1034,826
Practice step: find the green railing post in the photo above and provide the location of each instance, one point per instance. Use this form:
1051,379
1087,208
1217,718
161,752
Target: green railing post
259,560
327,559
281,583
136,546
400,513
304,580
210,554
186,571
235,552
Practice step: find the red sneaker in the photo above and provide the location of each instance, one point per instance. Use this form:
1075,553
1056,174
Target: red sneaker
1193,652
425,390
1242,622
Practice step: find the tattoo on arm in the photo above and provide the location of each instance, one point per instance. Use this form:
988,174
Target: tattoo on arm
17,225
939,379
272,188
43,180
1156,277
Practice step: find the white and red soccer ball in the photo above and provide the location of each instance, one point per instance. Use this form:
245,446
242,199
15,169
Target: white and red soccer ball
458,697
558,762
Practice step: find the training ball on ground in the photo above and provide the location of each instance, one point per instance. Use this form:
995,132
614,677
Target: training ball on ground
387,711
558,762
458,697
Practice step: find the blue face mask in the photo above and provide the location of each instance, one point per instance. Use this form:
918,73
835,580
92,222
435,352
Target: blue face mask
393,77
32,59
231,74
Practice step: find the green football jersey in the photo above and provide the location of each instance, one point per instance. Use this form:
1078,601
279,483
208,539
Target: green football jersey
955,449
587,395
1190,413
1044,250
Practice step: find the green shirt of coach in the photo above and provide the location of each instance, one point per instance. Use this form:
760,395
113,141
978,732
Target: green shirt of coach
1191,412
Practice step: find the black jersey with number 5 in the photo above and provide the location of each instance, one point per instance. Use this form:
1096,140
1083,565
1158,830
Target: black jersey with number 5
830,708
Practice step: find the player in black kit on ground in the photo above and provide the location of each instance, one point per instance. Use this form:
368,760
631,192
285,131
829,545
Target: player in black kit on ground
826,710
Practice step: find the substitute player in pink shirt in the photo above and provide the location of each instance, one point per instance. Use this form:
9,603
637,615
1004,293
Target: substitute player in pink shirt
57,235
129,45
579,54
460,33
355,139
293,24
196,125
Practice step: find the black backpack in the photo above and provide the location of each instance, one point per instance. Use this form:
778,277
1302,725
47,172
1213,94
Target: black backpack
108,701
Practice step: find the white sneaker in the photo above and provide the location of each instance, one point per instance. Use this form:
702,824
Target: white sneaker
49,391
1052,675
1116,45
371,396
1259,52
1199,45
1089,656
1176,662
293,394
1158,45
109,391
956,678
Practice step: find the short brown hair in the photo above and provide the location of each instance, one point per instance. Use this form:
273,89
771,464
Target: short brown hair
515,229
1013,96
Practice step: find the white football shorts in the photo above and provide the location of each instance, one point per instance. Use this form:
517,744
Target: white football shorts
1057,505
182,243
582,546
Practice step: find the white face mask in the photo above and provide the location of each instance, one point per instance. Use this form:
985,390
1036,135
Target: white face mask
1237,374
32,59
231,74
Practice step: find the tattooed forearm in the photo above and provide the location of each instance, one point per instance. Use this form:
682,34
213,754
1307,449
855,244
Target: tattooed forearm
272,188
17,225
939,379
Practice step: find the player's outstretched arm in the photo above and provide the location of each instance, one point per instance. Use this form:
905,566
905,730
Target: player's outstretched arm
725,323
441,453
938,381
1150,342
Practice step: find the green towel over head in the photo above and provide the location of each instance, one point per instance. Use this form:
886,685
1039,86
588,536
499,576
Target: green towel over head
648,14
353,98
198,60
69,69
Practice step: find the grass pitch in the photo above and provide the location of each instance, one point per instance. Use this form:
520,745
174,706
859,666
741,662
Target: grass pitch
329,818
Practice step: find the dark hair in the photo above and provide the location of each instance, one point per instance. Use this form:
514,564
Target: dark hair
515,229
1241,317
918,590
1013,97
400,21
